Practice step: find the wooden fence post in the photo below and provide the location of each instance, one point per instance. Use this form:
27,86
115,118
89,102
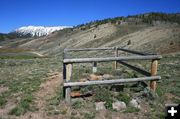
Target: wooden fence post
154,66
68,77
64,79
64,73
116,55
94,67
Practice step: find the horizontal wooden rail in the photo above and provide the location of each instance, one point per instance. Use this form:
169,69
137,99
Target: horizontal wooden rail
137,69
90,49
114,81
86,60
135,52
109,48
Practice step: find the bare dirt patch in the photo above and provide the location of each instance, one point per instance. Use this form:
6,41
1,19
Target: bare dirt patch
3,89
47,89
5,110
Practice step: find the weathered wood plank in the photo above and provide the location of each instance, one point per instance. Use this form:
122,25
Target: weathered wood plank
114,81
68,78
89,49
64,72
135,52
86,60
68,72
144,72
68,95
109,48
116,55
154,66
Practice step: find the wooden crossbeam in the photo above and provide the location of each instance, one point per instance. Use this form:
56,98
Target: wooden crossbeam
106,59
108,48
135,52
89,49
142,71
114,81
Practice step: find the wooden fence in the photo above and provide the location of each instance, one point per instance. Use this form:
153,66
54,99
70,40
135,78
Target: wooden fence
149,76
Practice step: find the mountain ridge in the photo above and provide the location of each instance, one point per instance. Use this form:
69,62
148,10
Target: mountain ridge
39,30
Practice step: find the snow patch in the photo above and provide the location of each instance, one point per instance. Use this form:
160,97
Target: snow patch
39,30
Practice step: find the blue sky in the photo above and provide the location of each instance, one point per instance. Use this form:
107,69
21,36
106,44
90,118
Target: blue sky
17,13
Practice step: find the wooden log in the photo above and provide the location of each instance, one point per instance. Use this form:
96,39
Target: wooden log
68,95
94,70
116,55
64,75
68,72
137,69
76,94
114,81
154,66
135,52
68,78
64,72
106,59
89,49
64,65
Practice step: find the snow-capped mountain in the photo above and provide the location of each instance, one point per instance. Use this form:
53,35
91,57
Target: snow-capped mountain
39,30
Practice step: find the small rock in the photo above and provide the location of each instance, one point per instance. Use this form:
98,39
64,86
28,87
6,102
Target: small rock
100,106
93,77
134,103
119,105
18,99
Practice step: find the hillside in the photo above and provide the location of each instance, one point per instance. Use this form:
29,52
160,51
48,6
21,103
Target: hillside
153,35
31,69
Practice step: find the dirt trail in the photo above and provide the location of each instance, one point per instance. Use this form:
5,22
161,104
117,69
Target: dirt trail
3,89
47,90
5,110
38,54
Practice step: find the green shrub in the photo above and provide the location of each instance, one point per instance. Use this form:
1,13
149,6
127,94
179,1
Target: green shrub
131,110
104,95
108,104
57,98
2,101
23,106
77,105
90,115
17,111
122,96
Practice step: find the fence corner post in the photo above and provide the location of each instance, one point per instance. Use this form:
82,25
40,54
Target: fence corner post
68,78
154,66
116,55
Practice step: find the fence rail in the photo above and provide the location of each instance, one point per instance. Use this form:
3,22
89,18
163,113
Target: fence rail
107,59
113,81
